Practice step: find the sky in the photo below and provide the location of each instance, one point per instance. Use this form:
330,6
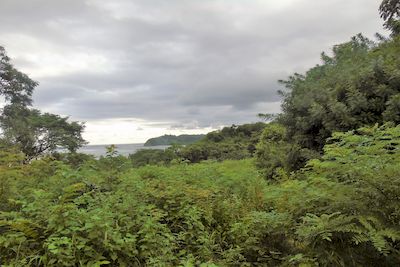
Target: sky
135,69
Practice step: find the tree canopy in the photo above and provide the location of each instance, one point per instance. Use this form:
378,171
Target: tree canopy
165,140
15,86
33,132
358,85
390,13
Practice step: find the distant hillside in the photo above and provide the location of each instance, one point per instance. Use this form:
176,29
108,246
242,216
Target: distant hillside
165,140
234,142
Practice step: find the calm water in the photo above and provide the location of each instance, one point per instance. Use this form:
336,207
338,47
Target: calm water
124,149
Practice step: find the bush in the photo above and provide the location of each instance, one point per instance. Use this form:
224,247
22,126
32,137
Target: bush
276,157
357,86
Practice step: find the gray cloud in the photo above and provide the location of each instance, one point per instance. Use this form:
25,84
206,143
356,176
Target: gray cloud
190,64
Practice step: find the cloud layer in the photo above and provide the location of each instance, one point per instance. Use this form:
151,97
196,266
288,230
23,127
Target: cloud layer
186,64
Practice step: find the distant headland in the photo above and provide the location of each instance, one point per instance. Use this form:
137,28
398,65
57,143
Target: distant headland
165,140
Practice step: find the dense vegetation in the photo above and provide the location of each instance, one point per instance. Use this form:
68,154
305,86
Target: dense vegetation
234,142
145,157
358,85
342,209
317,186
166,140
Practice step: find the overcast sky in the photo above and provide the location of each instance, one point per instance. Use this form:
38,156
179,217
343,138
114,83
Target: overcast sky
137,69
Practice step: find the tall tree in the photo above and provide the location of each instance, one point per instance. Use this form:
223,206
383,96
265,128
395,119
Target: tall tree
359,85
15,86
390,12
35,133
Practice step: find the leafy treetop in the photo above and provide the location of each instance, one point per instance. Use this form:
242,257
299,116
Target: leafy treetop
33,132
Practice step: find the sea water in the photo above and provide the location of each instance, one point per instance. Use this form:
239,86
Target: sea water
123,149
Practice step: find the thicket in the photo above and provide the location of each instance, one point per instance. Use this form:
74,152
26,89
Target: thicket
358,85
145,157
331,197
342,209
234,142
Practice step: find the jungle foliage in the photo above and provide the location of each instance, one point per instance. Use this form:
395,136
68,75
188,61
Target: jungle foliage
341,209
358,85
234,142
323,187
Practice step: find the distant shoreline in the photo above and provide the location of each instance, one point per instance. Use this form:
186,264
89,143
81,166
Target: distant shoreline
168,139
105,145
123,149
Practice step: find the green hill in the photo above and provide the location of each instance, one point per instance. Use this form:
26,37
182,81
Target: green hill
165,140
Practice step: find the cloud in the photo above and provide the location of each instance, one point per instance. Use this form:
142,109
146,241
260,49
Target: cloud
185,64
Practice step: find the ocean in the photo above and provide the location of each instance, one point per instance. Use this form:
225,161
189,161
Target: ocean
123,149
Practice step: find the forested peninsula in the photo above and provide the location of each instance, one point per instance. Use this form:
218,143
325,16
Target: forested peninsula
166,140
316,185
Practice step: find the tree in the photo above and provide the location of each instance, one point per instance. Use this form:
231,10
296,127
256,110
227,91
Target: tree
355,87
33,132
390,13
36,133
15,86
276,156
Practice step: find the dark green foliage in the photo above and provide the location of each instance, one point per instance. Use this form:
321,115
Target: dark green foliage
214,151
358,85
152,216
390,12
276,157
392,112
10,161
35,133
15,86
166,140
235,142
337,208
75,160
145,157
390,9
111,166
236,132
347,203
340,210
